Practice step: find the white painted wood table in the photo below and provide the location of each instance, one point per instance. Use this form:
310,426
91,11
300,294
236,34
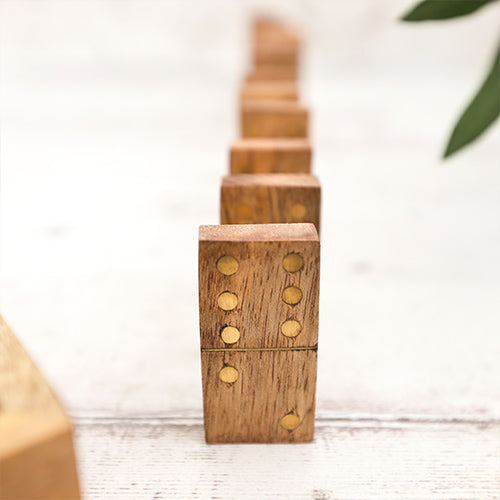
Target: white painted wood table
116,119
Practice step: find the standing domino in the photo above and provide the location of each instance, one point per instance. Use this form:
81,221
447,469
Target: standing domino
259,290
269,91
274,119
270,156
270,199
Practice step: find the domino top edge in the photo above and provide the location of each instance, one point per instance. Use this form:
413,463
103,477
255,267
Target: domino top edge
274,106
275,179
259,232
272,143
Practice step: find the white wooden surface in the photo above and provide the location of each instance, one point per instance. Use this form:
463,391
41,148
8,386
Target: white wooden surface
115,123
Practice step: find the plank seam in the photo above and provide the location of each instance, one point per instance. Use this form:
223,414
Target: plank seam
259,349
198,421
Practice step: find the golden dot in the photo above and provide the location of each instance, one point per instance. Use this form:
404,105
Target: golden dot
227,265
243,212
292,295
298,211
230,334
291,328
290,422
229,375
227,301
293,262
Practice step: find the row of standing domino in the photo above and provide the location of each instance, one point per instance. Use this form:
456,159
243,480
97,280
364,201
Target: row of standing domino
259,294
259,269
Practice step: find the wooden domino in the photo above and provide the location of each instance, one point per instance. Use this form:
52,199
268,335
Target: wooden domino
267,156
270,199
259,270
283,55
37,458
274,119
259,292
269,91
275,44
267,31
271,72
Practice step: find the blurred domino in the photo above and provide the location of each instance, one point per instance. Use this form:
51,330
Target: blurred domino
270,199
274,119
267,156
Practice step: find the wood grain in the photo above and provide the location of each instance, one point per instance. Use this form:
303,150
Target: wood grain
270,199
274,119
371,456
271,384
269,91
259,232
259,250
276,374
267,156
36,446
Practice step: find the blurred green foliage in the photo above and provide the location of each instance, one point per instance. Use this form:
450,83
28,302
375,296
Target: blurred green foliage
484,108
435,10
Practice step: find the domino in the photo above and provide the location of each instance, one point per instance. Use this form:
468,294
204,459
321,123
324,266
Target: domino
259,292
266,30
270,199
37,458
279,54
271,72
267,156
269,91
275,44
274,119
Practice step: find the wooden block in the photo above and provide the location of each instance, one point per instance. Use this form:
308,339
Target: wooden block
273,119
271,72
259,292
267,53
270,199
267,156
275,44
266,30
265,25
265,91
37,458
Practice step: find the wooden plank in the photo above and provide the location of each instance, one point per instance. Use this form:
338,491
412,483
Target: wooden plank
270,199
274,119
36,446
259,302
269,91
267,156
370,457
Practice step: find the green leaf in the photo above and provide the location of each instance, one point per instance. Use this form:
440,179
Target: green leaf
481,112
435,10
